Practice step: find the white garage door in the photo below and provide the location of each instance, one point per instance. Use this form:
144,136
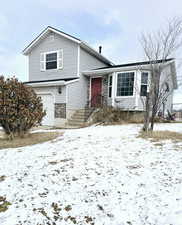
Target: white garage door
48,105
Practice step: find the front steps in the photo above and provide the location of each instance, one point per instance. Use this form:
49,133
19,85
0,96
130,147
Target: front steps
79,118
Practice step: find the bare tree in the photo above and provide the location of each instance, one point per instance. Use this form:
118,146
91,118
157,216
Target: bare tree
158,47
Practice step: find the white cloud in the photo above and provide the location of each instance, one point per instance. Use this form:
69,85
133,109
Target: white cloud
14,65
4,27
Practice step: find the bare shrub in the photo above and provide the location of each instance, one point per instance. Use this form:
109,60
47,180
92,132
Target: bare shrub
110,115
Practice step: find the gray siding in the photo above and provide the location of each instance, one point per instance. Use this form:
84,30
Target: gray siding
58,98
125,103
165,77
78,91
87,61
70,56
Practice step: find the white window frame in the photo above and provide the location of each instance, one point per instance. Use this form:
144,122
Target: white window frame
148,85
50,52
110,86
134,84
46,53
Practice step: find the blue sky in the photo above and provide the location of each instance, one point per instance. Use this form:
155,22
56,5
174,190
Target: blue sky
116,25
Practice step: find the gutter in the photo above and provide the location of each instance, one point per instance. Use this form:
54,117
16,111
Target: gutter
46,84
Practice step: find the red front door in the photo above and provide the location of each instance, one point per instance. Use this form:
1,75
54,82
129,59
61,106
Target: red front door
96,92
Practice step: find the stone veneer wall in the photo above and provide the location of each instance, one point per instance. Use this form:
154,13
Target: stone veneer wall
60,110
88,91
105,89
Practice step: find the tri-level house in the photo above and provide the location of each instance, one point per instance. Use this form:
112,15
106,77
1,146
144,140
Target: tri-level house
71,77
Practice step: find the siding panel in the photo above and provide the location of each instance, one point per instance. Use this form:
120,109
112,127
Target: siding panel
78,91
70,54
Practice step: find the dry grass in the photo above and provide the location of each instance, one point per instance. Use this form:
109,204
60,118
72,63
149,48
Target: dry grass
161,135
4,204
30,139
114,116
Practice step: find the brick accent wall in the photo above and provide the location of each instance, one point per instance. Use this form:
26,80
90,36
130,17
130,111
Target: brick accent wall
60,110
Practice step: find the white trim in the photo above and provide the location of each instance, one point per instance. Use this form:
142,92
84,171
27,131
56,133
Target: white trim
46,84
47,93
78,62
148,81
83,44
62,59
130,96
110,75
66,95
113,89
28,67
26,50
118,69
109,70
72,81
64,35
137,87
50,52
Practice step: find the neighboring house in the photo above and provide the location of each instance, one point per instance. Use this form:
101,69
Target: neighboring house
69,75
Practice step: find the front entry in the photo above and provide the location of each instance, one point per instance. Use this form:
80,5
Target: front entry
96,92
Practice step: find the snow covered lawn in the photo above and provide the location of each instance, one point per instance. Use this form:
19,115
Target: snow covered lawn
95,175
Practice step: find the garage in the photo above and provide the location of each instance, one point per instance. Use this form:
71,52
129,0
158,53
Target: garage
48,105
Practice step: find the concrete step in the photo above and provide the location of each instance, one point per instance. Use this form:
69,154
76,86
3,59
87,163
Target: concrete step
81,113
84,110
75,123
78,118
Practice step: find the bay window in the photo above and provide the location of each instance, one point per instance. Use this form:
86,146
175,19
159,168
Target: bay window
125,84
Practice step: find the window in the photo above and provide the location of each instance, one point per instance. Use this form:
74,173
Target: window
125,83
110,86
51,61
144,83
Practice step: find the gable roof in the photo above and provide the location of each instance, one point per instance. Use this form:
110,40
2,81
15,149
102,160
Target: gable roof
83,44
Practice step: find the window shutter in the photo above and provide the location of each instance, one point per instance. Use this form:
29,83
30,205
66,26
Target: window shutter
42,62
60,59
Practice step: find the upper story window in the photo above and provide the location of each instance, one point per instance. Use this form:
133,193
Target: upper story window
110,86
144,84
125,84
51,60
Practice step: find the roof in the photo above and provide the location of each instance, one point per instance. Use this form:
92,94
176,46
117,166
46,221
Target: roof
43,81
136,64
83,44
133,66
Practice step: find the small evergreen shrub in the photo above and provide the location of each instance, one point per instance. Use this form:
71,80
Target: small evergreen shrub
20,107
